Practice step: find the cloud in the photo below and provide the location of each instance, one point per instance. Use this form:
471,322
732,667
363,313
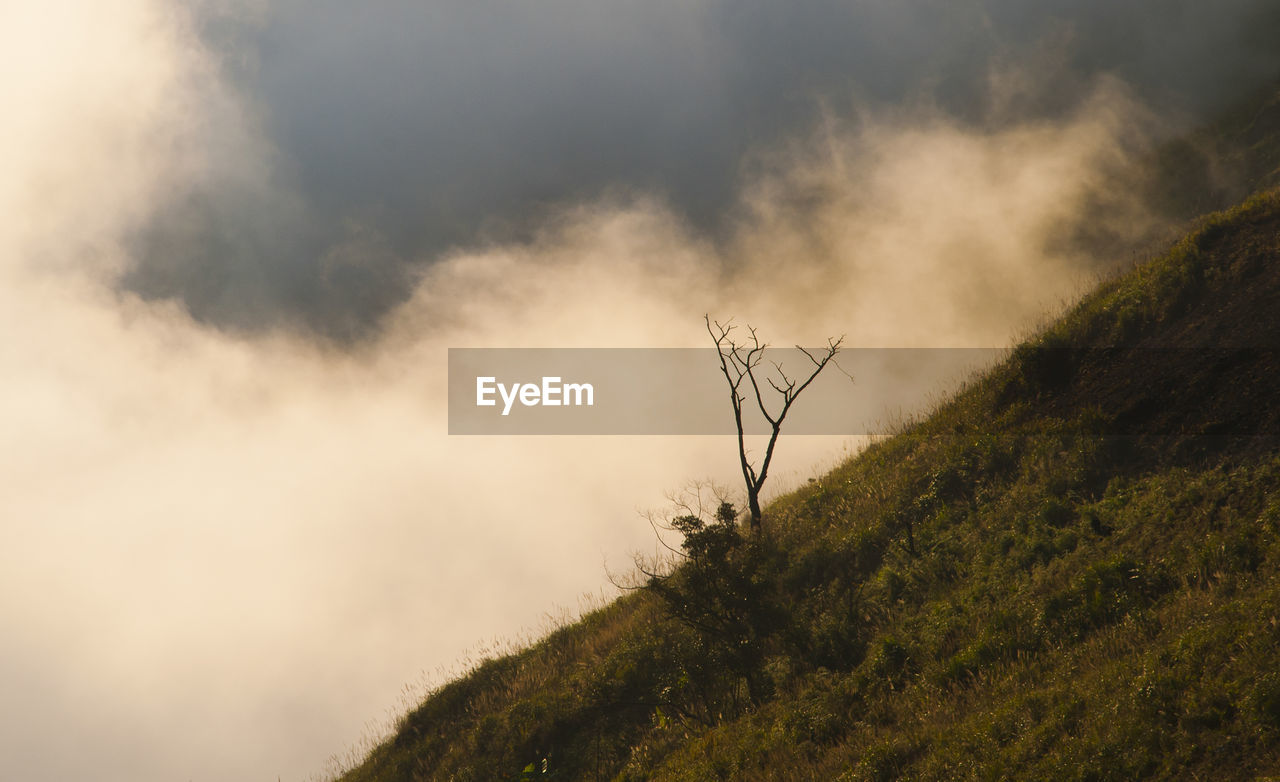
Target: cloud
407,130
229,543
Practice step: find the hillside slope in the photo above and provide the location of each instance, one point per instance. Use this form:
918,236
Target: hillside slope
1071,570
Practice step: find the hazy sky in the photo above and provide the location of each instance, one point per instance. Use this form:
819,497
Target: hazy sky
415,127
230,538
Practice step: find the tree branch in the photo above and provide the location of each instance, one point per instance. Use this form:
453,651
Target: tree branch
739,361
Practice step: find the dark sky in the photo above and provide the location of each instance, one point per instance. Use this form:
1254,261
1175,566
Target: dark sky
402,129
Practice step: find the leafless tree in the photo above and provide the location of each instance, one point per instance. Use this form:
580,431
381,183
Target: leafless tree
740,362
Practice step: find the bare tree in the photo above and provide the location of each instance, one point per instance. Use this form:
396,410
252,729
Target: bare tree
740,363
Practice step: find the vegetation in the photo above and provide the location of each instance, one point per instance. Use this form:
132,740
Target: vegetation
1070,570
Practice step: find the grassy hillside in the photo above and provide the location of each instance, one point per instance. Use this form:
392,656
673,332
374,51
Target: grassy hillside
1069,571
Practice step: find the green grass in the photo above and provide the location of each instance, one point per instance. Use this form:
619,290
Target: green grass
1069,570
1007,589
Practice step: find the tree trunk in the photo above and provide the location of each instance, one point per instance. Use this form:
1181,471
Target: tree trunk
753,502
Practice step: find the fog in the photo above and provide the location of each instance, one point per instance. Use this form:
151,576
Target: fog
412,128
238,241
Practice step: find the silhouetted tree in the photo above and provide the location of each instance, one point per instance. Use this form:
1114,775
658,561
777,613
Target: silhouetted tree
740,363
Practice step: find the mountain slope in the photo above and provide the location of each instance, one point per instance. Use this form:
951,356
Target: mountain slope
1070,570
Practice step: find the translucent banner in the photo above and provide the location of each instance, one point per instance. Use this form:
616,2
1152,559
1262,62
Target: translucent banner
674,391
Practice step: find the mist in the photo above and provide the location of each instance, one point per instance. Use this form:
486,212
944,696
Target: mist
407,129
238,242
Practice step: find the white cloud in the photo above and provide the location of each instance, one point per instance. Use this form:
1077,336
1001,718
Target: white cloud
224,553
